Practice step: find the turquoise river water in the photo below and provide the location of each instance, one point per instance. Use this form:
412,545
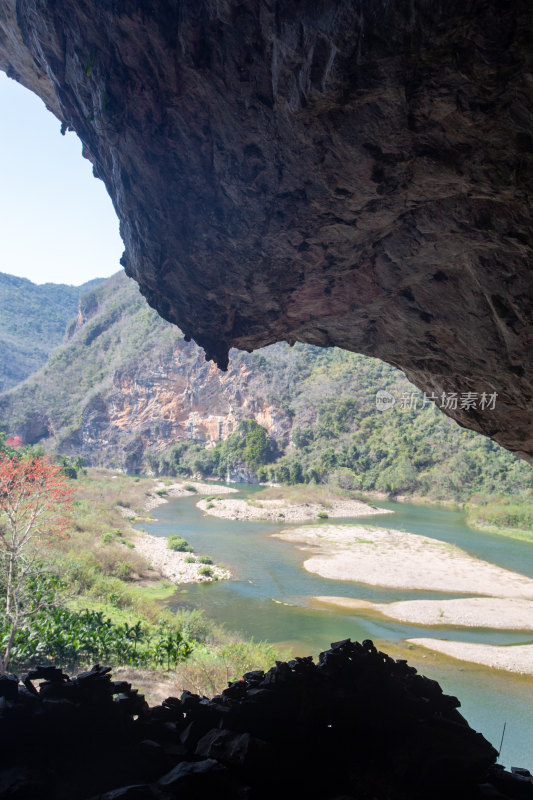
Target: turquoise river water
270,597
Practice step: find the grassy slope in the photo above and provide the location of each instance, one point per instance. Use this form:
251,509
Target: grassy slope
32,323
504,515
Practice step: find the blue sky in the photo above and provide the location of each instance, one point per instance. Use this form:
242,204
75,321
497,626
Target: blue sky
57,223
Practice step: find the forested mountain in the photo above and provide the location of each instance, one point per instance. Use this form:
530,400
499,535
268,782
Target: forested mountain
127,391
32,323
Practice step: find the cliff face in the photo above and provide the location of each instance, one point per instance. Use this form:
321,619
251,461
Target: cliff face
344,173
125,382
176,398
191,399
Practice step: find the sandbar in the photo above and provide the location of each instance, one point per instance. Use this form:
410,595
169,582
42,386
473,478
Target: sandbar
180,490
513,658
285,511
473,612
400,560
171,564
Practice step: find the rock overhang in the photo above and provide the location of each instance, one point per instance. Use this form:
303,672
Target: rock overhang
352,174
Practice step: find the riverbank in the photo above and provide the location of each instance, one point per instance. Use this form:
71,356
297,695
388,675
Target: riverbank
400,560
512,658
174,565
178,567
509,516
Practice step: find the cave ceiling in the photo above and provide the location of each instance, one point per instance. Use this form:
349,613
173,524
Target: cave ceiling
351,174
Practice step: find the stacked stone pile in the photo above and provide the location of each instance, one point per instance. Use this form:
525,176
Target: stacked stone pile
357,725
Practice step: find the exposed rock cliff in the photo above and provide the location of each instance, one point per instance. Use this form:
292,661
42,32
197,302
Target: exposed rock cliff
181,397
126,382
351,173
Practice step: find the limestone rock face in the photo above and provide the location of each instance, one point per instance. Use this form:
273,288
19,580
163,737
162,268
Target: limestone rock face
351,172
172,400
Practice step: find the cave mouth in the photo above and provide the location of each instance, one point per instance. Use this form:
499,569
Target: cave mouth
349,174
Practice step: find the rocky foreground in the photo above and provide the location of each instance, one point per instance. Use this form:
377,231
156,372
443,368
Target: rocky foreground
356,725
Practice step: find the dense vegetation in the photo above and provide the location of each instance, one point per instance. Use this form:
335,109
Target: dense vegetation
249,445
32,323
79,638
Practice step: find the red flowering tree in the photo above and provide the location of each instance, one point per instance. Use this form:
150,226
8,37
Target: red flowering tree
35,507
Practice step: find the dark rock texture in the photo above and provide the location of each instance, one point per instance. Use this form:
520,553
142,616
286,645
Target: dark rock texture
345,172
357,725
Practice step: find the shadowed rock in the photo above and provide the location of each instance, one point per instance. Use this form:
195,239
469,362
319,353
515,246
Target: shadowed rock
357,724
340,173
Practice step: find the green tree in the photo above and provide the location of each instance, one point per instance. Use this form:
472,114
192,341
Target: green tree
257,449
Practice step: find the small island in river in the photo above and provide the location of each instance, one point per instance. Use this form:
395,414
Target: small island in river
289,504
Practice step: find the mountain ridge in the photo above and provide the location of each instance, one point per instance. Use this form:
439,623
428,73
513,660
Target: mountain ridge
24,346
126,391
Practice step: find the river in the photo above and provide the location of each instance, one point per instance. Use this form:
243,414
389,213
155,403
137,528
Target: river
269,598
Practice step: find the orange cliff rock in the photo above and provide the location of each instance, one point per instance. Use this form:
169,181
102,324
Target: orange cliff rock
179,398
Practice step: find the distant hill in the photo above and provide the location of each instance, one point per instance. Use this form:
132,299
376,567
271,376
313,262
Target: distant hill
126,391
32,323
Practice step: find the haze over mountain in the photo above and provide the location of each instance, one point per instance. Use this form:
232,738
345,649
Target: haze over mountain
126,391
32,323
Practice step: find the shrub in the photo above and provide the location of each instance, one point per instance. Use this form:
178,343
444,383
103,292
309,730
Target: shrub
209,505
178,544
190,560
207,572
323,515
190,488
74,638
123,570
193,624
107,538
209,669
205,560
161,492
